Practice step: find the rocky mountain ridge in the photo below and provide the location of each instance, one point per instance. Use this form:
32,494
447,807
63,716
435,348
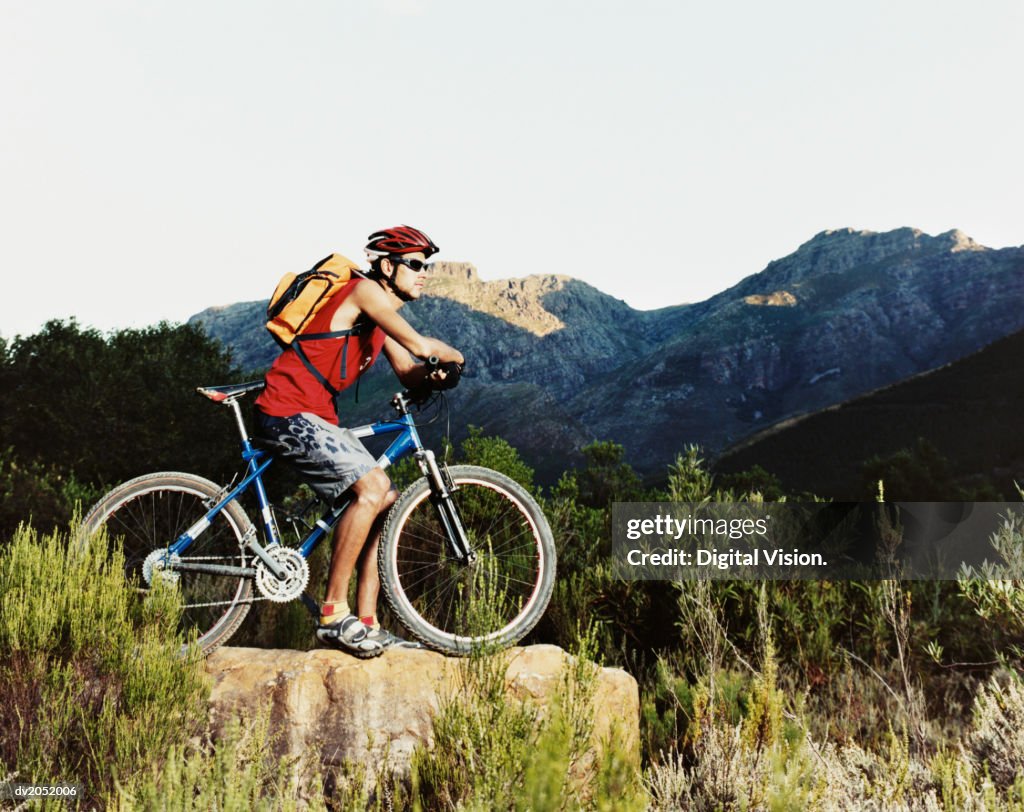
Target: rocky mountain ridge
553,362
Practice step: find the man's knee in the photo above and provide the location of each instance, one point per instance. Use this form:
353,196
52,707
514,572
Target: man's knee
375,488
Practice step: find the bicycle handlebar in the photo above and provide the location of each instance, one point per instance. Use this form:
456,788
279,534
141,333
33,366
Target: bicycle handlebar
422,391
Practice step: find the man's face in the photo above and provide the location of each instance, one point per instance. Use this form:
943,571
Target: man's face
407,280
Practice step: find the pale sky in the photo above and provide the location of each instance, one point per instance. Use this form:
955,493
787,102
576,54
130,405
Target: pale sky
160,157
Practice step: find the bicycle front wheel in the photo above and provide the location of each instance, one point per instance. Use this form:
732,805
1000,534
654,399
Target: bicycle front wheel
147,514
496,599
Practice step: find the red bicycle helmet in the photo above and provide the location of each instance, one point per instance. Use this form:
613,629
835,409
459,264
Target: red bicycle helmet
399,240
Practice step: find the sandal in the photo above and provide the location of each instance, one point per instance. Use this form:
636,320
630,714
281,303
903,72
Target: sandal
389,640
351,636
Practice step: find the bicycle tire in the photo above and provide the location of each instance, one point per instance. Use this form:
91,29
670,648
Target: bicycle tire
148,513
441,602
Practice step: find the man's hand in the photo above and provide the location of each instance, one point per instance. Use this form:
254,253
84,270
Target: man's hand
442,376
446,376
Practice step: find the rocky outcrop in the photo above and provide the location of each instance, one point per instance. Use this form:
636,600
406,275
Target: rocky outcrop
780,298
361,711
518,302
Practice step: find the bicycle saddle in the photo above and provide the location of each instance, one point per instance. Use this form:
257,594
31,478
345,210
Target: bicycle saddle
219,394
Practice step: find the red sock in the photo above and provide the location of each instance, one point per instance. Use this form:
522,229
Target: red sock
332,612
369,620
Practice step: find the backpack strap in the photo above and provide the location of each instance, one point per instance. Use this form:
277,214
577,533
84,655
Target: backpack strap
357,329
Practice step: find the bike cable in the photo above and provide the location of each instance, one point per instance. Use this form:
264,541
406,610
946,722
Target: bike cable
440,400
447,431
432,403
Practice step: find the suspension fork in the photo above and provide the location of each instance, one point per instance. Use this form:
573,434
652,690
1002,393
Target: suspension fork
441,488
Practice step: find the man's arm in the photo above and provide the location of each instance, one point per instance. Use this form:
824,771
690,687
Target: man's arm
408,371
372,301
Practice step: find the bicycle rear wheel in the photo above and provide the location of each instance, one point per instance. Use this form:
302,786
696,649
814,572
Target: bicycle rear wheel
147,514
452,606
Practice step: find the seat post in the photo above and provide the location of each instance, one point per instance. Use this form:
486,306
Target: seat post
237,409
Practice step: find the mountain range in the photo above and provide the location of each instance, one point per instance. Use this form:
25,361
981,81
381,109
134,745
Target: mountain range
553,363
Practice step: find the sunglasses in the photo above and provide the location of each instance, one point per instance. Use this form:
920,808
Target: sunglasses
416,265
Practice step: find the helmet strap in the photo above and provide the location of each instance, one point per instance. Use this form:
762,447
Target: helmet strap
390,282
401,294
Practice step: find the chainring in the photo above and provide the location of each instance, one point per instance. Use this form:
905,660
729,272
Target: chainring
155,566
296,575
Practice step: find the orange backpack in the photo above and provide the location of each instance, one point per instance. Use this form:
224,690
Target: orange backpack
299,297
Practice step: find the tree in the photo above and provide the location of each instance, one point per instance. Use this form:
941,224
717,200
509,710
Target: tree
607,477
918,474
107,408
496,453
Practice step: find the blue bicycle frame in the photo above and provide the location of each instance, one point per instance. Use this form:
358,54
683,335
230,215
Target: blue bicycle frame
258,460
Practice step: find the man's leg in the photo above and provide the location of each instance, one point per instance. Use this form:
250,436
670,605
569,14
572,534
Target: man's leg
338,626
372,495
334,461
368,585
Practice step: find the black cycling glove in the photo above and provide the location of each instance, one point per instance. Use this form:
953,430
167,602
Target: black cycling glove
452,373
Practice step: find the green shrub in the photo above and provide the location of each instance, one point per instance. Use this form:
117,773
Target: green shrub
239,772
43,495
996,742
997,590
498,454
491,752
607,477
92,687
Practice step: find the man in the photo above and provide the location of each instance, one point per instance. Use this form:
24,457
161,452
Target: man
298,412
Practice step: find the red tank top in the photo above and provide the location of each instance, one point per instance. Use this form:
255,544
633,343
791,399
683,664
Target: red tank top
291,388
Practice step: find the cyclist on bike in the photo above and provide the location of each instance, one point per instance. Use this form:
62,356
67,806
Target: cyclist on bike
298,412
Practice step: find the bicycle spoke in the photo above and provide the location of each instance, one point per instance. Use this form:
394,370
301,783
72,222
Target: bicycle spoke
506,572
150,515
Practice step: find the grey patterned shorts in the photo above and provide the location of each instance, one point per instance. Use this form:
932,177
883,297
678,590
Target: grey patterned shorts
328,457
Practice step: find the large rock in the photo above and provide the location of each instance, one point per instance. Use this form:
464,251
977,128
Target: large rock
359,711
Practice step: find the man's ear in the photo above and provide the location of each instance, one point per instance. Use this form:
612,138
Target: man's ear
387,268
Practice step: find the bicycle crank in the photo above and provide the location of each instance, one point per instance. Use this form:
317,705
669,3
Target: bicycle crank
296,575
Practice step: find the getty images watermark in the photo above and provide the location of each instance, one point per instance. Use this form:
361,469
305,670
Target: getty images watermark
804,540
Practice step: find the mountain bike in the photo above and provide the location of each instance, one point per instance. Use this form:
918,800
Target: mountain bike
466,556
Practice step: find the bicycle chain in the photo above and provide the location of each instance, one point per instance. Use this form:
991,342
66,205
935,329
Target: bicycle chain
147,573
223,603
253,599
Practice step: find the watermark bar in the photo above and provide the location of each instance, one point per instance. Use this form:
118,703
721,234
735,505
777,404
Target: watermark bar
806,540
13,791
